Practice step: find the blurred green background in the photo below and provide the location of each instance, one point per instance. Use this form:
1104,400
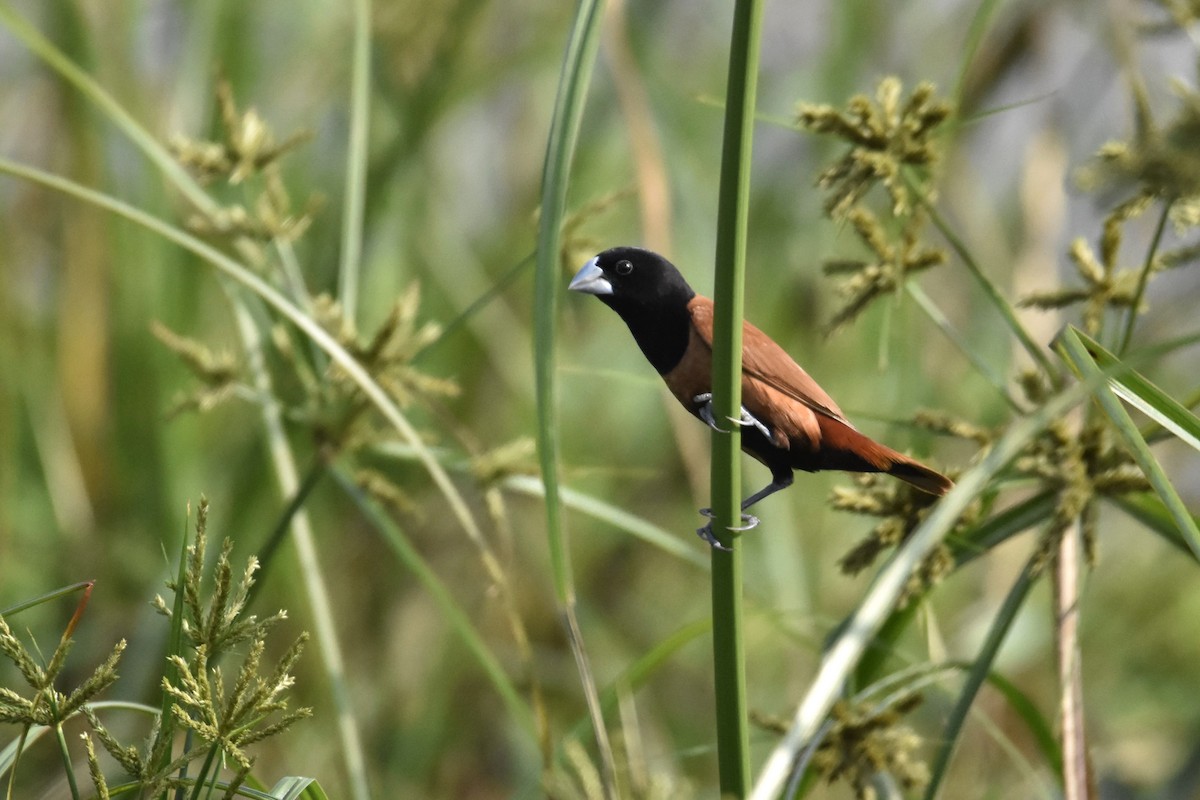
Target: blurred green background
96,477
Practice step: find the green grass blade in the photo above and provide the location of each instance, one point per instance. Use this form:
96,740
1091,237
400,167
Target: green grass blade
733,204
1132,387
996,529
56,594
356,161
578,61
574,78
981,667
1075,353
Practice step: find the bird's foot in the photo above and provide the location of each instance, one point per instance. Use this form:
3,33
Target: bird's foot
705,411
746,420
706,532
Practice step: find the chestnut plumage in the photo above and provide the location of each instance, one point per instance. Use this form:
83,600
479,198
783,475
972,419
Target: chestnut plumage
789,421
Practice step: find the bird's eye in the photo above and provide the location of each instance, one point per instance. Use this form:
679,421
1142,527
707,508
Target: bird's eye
623,268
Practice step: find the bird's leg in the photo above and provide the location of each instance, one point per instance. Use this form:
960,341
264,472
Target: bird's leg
780,480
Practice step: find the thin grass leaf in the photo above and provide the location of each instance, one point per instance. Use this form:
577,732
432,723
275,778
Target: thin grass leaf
1135,389
109,107
578,61
980,27
1131,315
574,79
1072,348
56,594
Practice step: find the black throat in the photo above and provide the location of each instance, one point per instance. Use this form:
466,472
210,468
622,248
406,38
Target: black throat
661,329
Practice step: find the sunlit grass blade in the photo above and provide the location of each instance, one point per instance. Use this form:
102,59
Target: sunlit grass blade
455,616
1132,387
295,788
1075,352
845,652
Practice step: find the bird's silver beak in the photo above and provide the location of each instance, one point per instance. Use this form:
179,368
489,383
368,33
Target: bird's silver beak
590,279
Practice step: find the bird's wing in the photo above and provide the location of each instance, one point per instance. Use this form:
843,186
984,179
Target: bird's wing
766,362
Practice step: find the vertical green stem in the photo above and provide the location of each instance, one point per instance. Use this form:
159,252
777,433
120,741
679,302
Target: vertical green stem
729,661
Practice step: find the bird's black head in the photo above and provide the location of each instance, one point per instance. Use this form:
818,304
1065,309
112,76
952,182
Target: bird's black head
630,277
649,293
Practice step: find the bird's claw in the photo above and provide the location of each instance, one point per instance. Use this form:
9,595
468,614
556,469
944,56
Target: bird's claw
705,411
746,420
706,532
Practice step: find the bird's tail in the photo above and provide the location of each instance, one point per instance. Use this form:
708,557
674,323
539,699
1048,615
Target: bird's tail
844,447
922,477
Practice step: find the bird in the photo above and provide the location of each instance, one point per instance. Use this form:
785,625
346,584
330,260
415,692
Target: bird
788,421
